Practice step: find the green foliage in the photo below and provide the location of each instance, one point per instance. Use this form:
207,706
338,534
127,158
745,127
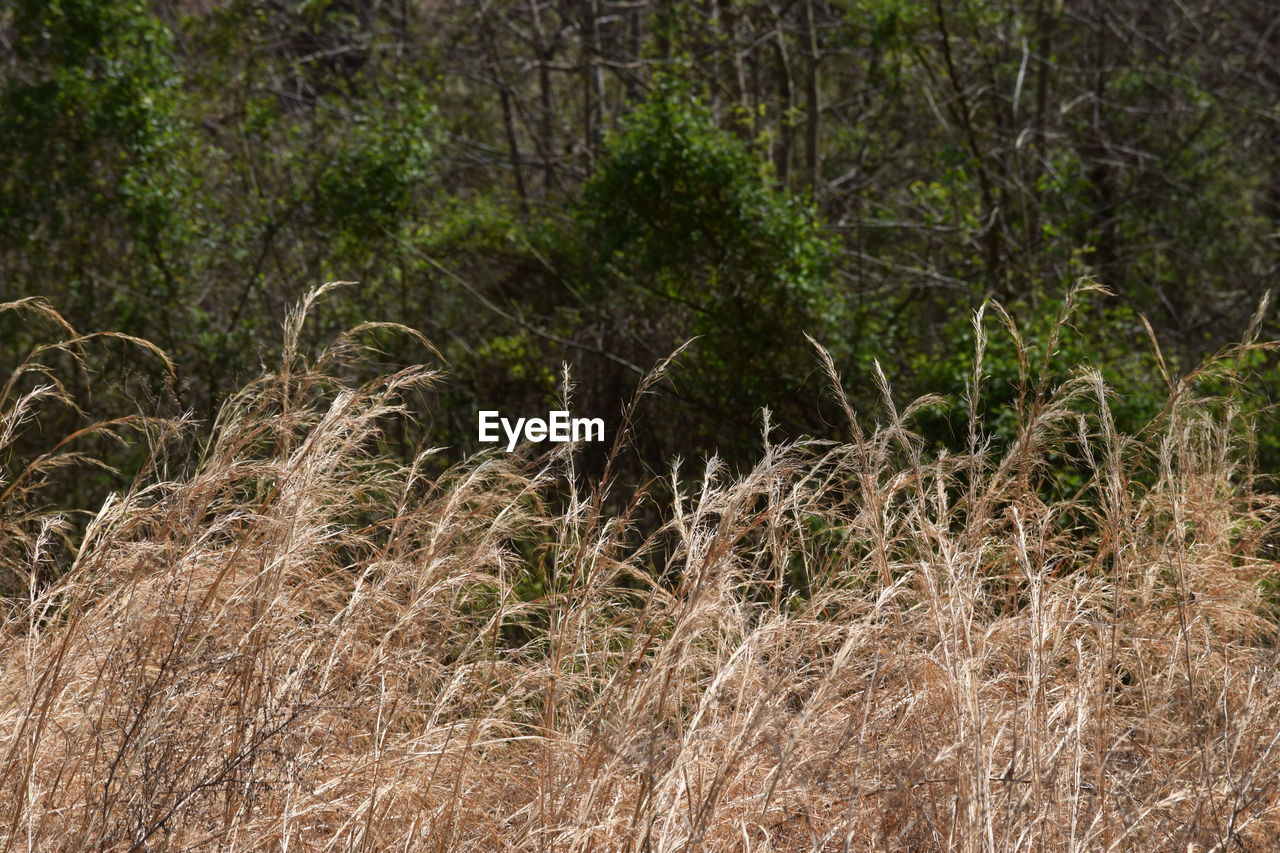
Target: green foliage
1108,338
185,173
684,229
89,123
371,183
90,129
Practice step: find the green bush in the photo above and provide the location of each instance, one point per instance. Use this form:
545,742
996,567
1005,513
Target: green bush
686,236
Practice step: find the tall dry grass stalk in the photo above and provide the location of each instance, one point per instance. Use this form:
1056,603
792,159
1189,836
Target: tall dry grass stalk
304,645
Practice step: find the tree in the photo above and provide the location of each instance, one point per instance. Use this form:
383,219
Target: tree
686,237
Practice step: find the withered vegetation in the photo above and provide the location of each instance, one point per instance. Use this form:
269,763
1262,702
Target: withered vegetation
1061,642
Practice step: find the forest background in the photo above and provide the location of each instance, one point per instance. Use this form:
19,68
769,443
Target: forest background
592,182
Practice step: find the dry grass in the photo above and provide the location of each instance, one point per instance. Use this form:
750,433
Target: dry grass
304,645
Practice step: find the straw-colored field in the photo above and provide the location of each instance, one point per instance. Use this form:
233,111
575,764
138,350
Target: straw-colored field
304,644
